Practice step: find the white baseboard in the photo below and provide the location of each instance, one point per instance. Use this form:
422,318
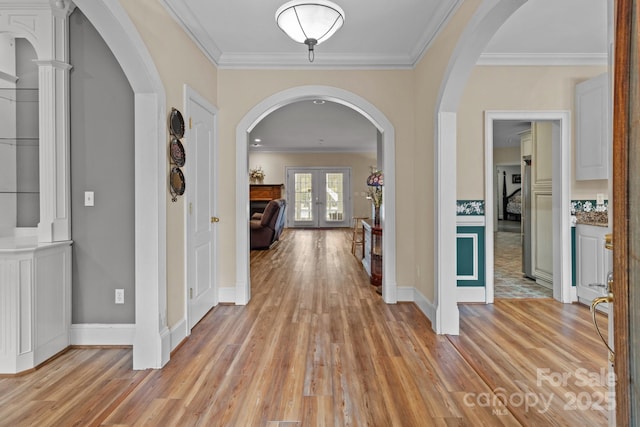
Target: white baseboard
405,294
178,333
426,306
471,294
227,295
102,334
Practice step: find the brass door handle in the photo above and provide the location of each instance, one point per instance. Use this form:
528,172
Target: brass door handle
215,219
594,304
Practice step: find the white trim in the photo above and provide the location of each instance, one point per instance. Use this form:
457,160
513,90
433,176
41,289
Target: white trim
542,59
561,195
179,333
471,220
447,319
102,334
474,240
471,293
406,294
152,337
487,19
426,306
227,295
264,108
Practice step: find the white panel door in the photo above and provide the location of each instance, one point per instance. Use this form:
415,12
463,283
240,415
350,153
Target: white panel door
200,155
318,197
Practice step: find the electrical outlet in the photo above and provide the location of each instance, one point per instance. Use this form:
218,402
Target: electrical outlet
119,296
599,199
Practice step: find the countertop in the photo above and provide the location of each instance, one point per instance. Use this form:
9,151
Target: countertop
599,219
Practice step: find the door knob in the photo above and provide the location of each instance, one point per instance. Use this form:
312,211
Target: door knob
215,219
598,301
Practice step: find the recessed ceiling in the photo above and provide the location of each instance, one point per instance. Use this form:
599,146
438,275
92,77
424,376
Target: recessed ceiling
382,33
243,33
378,34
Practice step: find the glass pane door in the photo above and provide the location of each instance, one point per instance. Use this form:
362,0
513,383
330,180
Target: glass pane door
321,197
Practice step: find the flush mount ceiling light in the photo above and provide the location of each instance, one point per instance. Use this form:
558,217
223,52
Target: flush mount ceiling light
310,22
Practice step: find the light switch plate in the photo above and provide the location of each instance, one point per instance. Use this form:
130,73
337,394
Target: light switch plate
88,198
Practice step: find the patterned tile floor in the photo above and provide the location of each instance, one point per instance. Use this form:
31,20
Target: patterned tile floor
508,279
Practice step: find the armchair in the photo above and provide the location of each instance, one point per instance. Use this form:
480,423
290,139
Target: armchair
265,228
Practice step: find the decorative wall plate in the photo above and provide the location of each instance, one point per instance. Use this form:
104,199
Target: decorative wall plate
176,183
176,123
176,151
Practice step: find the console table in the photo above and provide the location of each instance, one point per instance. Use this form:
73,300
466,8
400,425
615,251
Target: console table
372,260
261,194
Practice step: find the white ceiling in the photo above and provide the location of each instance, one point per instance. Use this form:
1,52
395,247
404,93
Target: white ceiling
378,34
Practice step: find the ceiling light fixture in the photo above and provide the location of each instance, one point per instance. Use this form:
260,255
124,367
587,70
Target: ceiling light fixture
310,22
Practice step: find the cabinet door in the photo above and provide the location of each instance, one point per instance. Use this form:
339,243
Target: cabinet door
593,263
592,129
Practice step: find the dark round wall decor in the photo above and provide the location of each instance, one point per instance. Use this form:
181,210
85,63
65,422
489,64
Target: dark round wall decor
176,123
176,151
176,183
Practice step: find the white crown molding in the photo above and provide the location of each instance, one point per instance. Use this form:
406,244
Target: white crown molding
431,34
271,60
542,59
322,150
188,21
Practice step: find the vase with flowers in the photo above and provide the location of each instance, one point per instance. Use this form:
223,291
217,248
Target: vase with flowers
375,181
256,175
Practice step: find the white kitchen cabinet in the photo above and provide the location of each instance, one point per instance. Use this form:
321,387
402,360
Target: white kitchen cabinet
593,130
593,263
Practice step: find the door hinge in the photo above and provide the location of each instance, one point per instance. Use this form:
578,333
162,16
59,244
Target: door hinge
190,207
190,124
190,293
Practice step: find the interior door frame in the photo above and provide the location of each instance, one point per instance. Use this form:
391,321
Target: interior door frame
191,96
562,289
625,81
317,170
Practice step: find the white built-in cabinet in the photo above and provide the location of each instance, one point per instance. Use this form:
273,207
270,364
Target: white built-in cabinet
592,124
541,203
35,260
593,263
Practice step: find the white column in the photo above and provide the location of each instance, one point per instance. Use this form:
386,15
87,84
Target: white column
55,198
55,220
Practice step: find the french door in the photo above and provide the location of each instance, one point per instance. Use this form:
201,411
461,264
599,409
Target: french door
318,197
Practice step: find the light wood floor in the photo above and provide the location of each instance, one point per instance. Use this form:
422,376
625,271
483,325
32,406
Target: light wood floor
317,347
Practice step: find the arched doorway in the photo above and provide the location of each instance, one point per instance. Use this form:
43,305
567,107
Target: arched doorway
261,110
151,340
488,18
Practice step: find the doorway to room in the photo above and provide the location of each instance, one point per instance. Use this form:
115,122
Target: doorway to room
514,264
547,236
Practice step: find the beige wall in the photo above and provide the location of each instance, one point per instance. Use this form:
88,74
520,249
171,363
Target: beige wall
429,73
274,165
390,91
179,62
406,97
514,88
506,156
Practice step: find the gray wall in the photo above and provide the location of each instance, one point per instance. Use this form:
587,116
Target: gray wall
102,151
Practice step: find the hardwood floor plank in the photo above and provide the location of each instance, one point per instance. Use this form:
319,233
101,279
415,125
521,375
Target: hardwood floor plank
317,346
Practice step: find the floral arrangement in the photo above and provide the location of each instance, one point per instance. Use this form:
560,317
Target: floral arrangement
375,181
256,174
